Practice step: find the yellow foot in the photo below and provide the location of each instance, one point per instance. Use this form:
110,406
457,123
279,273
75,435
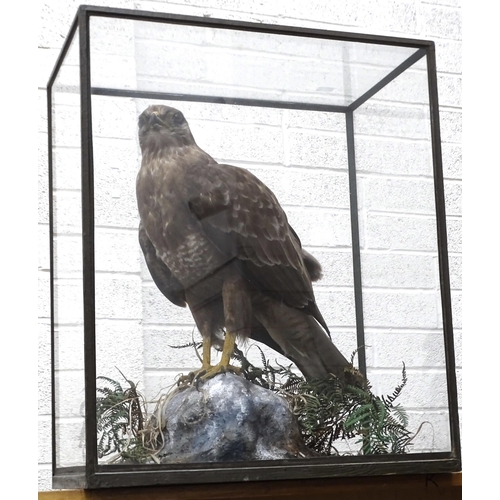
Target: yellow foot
219,368
186,380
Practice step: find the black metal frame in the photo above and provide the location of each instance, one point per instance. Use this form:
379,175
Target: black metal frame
93,475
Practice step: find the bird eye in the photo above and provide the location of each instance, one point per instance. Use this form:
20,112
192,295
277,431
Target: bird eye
178,118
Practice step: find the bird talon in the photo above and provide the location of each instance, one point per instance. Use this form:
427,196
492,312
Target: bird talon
220,368
192,377
185,380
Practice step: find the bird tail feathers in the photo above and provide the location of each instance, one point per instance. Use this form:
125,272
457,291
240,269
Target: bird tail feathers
301,339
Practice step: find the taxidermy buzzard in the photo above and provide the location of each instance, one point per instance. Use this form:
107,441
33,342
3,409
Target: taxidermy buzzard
215,238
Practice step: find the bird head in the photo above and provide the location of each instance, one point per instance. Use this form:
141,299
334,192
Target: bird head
163,127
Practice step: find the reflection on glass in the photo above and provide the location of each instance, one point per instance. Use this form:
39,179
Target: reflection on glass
229,63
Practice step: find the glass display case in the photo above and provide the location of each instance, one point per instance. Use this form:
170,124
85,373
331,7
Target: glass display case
343,129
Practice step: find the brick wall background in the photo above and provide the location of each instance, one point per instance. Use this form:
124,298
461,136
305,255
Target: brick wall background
398,242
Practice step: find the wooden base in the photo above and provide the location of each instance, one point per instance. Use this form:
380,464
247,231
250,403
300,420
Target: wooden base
404,487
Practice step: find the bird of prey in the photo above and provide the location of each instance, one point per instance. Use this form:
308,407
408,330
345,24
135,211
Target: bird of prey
214,237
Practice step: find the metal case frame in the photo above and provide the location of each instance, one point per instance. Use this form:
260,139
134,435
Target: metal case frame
93,475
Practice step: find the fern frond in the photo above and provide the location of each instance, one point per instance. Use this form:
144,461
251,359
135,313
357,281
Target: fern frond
328,410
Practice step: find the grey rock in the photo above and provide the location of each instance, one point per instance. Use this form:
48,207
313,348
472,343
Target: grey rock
227,419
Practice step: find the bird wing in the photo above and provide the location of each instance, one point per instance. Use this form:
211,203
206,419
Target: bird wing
163,278
243,218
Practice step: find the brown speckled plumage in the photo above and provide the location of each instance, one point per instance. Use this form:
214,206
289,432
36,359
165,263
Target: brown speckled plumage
215,237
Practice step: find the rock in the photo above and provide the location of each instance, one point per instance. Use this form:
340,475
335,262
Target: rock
225,419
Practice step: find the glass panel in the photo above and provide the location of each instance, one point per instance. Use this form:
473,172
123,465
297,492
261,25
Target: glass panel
301,155
136,326
399,256
230,63
67,263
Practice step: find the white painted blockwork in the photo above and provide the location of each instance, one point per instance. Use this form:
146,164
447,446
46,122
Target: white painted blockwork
136,324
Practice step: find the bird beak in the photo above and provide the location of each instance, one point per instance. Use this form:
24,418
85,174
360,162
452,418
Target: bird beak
154,120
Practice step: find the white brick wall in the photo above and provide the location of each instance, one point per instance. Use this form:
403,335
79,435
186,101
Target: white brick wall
395,196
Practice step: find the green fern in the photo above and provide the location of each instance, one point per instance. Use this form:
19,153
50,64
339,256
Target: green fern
120,420
328,411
